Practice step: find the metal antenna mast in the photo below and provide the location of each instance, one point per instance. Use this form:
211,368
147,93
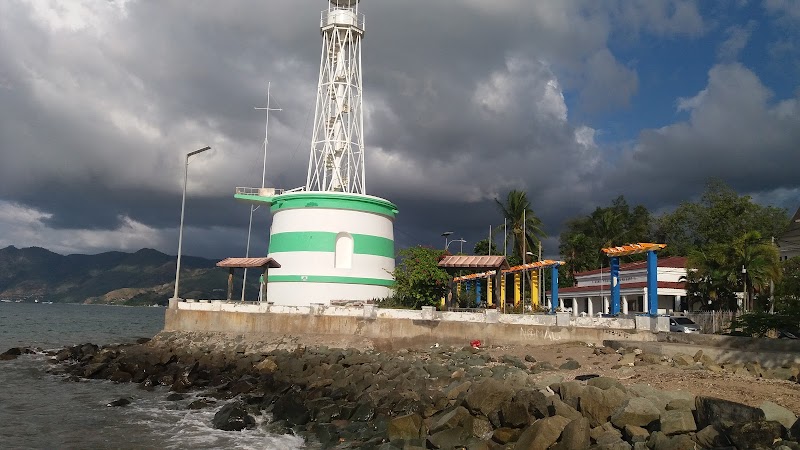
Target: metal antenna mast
263,179
337,145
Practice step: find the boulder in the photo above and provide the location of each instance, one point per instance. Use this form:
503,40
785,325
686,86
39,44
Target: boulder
558,408
10,354
605,383
598,405
233,417
756,435
289,408
723,413
778,413
405,427
660,441
119,402
515,414
569,391
711,437
599,431
505,435
680,404
677,422
456,389
450,419
488,395
794,431
482,428
574,436
682,360
779,373
635,434
266,366
570,365
637,411
535,401
542,434
450,438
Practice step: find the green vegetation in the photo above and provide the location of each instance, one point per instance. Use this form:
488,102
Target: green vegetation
584,237
523,229
418,280
482,248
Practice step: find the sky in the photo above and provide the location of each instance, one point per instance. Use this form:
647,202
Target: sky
574,102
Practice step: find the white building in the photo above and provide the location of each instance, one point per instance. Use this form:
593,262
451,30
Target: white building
592,291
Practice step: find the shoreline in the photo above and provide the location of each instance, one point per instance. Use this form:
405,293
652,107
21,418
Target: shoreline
348,392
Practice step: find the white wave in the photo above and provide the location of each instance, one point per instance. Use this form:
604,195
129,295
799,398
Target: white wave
180,428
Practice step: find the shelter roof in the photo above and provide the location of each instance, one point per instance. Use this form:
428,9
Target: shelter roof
482,262
677,262
248,263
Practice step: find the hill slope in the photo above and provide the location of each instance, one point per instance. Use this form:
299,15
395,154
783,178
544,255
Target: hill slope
143,277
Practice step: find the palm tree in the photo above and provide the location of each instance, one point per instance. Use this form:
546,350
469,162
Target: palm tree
761,260
523,228
572,250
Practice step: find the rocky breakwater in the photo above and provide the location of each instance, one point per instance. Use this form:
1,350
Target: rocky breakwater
434,398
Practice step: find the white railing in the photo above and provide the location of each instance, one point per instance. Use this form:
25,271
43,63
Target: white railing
341,17
263,192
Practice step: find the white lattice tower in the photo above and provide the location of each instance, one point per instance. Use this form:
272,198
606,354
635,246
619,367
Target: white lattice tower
337,145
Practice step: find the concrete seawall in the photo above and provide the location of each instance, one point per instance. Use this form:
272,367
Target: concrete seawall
402,328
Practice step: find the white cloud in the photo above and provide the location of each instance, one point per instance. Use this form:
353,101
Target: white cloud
738,38
735,132
27,227
608,83
790,8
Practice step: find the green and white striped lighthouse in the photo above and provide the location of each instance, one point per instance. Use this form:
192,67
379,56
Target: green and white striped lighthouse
332,240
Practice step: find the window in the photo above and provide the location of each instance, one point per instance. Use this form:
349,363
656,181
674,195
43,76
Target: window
344,251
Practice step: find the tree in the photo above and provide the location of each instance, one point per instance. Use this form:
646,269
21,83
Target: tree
719,268
584,237
719,217
760,258
787,289
709,281
482,247
523,228
418,280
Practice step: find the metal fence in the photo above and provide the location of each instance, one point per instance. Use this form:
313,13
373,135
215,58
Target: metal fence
713,321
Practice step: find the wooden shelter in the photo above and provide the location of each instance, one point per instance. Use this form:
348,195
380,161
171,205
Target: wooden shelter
249,263
477,264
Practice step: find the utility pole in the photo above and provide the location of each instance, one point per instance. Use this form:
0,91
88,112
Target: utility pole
772,288
253,208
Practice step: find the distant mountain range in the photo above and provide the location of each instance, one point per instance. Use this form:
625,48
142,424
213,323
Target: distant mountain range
145,277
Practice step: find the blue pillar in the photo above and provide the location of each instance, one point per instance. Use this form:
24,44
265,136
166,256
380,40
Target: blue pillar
477,292
652,283
614,265
468,286
554,290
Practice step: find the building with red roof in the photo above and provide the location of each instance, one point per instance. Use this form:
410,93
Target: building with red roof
592,291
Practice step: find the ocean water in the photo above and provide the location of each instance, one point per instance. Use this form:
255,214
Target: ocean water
44,411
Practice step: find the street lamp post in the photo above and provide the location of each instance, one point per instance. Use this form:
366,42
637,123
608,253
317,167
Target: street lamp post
744,293
183,209
448,242
445,234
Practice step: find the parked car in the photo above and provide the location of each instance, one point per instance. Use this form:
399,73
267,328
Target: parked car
683,325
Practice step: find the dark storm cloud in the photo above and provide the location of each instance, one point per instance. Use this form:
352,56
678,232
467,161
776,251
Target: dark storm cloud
99,103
